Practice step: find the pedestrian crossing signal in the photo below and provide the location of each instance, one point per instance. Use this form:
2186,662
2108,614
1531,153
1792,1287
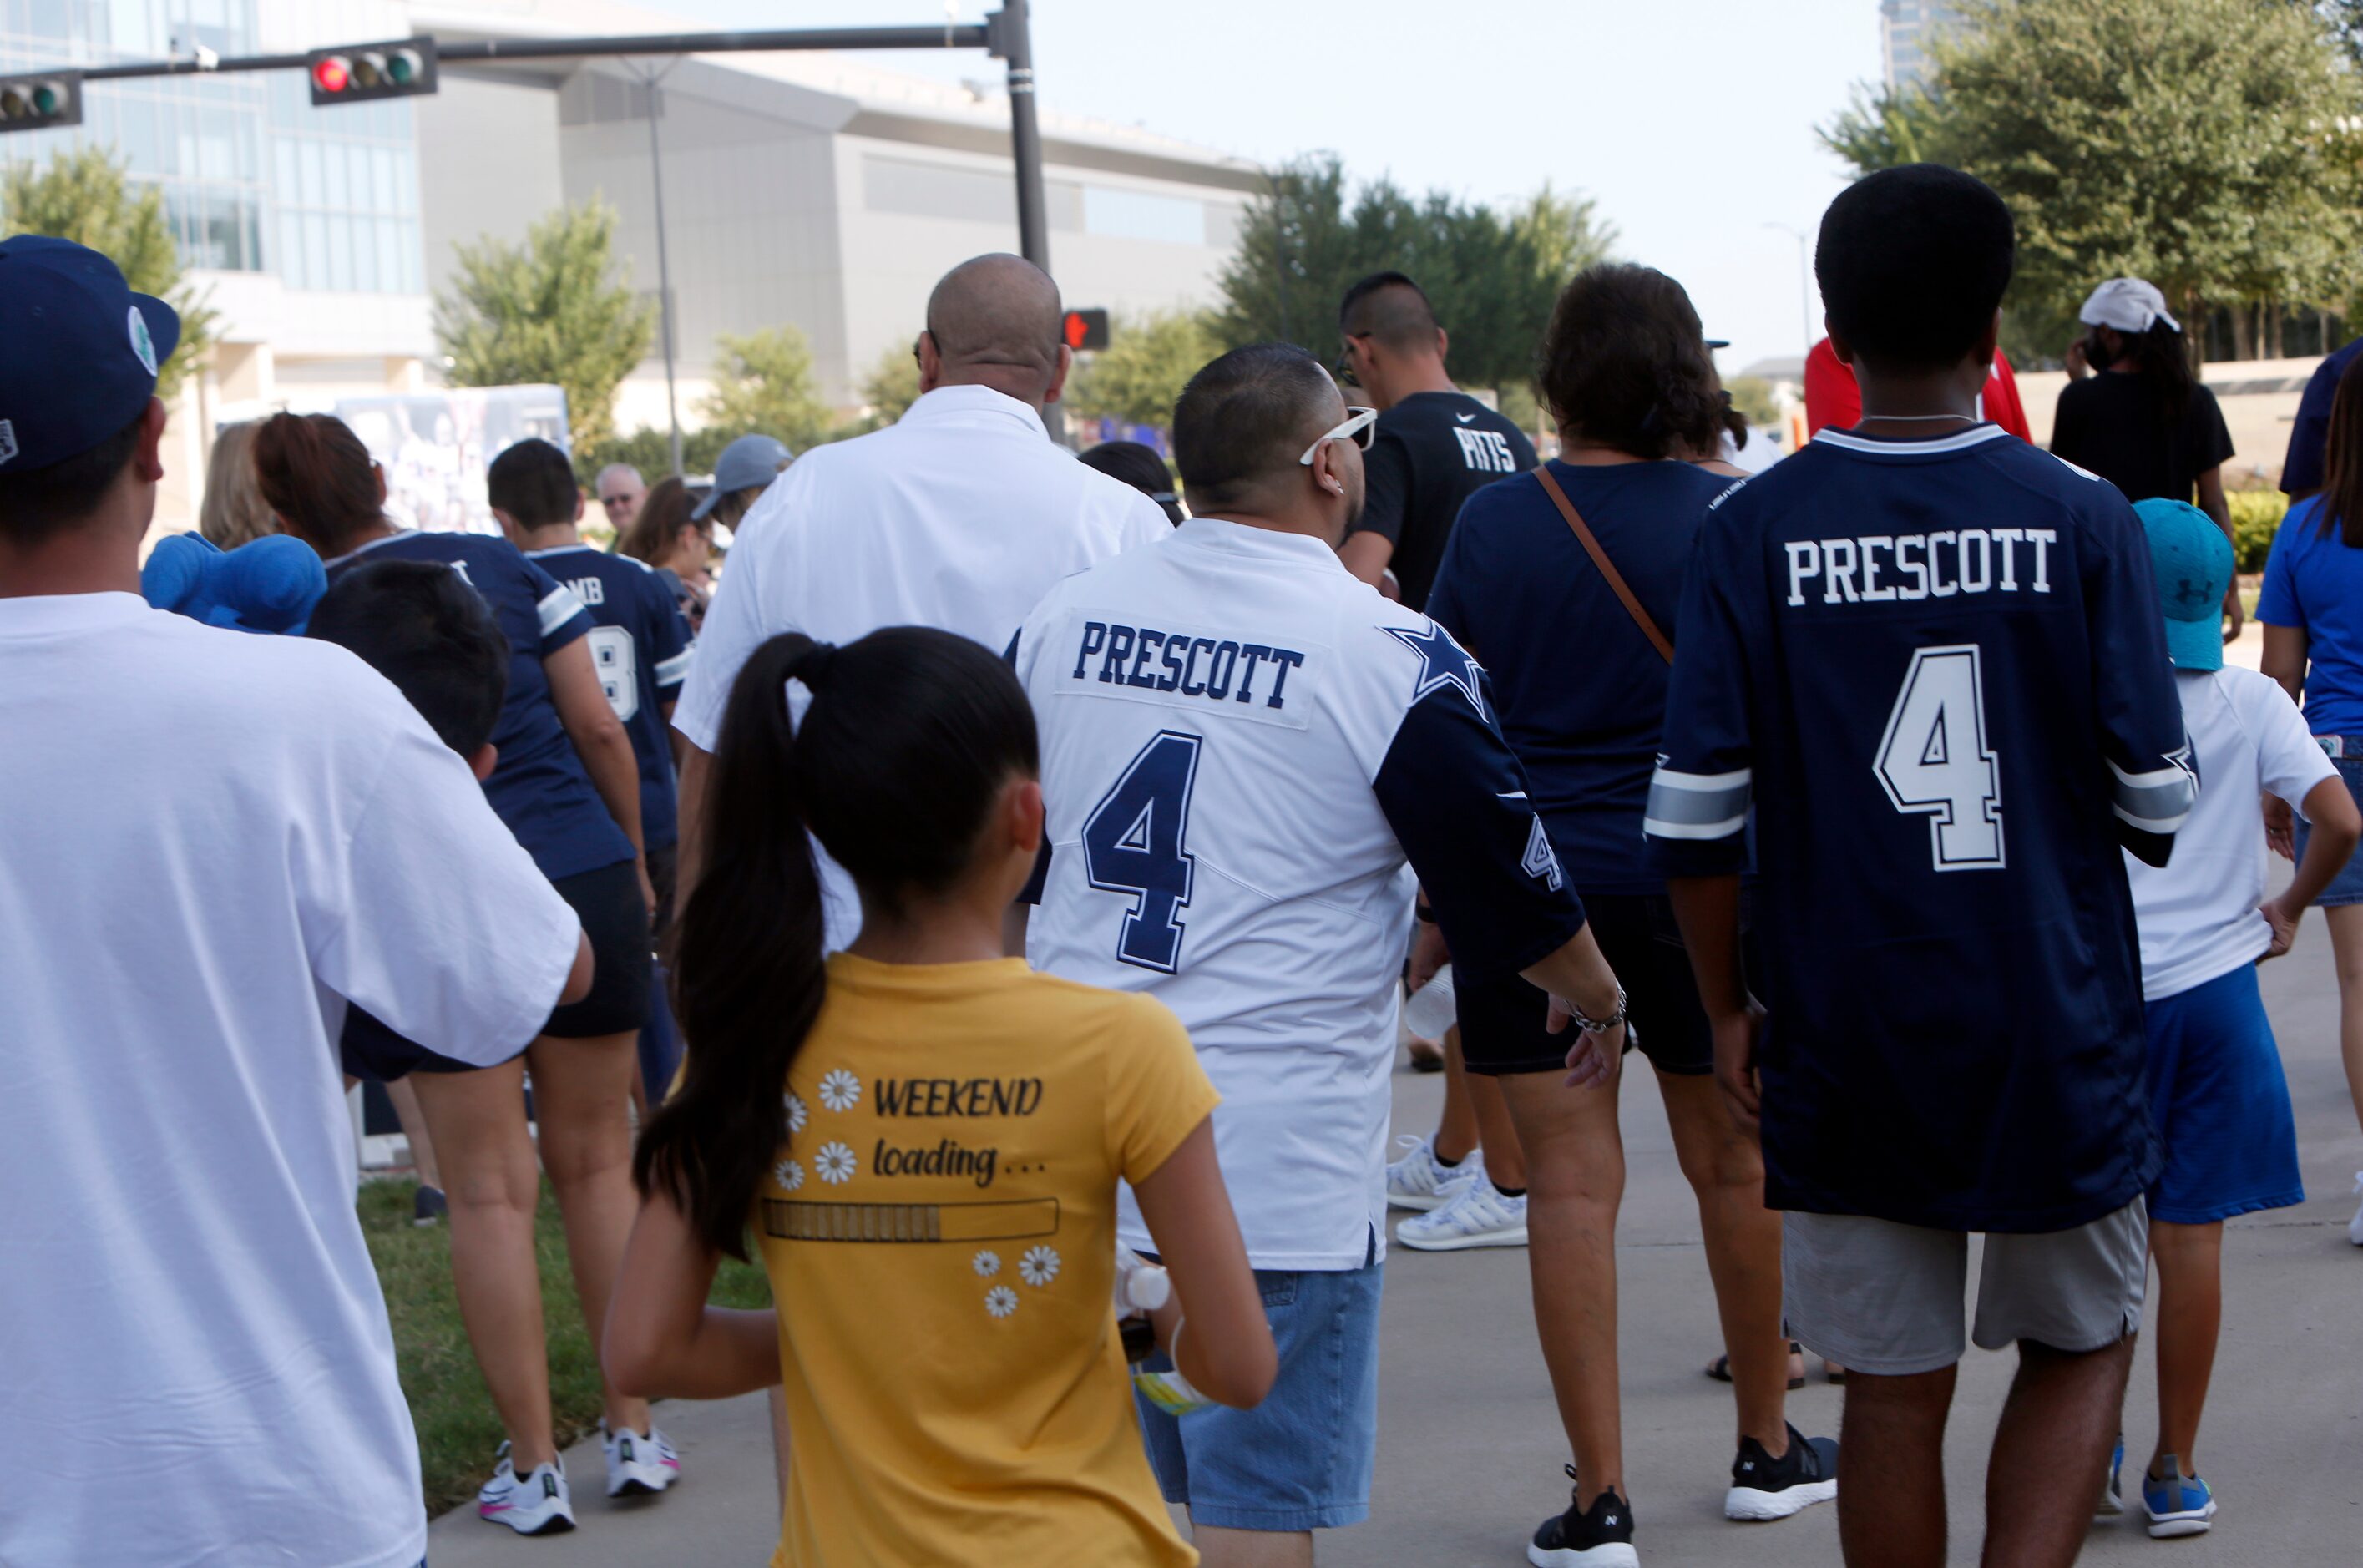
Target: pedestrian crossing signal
40,102
1087,329
361,72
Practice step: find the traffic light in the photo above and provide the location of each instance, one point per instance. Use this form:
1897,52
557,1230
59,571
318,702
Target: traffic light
1087,329
357,73
41,101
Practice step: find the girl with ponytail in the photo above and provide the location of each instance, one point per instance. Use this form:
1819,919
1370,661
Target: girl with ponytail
923,1137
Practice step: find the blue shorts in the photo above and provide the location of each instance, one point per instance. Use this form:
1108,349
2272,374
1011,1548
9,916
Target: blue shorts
1301,1460
2221,1105
2346,888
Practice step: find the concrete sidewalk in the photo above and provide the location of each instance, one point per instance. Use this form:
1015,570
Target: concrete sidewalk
1470,1449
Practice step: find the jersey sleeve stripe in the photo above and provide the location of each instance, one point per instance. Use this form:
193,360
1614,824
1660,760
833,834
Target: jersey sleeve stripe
673,672
1658,827
1696,805
557,607
1669,778
2157,810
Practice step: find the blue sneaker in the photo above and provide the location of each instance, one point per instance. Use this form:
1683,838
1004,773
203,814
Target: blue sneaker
2176,1504
2113,1491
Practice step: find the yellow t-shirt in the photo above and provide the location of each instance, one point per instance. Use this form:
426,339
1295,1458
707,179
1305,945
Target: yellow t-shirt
940,1235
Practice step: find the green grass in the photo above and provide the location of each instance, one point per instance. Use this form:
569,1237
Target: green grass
458,1431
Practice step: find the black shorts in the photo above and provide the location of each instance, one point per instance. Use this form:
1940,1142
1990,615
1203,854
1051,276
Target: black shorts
607,900
1502,1021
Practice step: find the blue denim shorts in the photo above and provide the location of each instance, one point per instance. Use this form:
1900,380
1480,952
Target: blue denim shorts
1301,1460
2346,888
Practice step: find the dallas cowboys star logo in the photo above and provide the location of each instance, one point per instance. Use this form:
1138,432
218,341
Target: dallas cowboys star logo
1441,663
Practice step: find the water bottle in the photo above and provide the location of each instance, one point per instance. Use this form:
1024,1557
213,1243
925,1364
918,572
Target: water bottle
1431,1010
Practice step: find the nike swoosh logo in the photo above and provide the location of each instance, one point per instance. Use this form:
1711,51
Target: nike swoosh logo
1464,418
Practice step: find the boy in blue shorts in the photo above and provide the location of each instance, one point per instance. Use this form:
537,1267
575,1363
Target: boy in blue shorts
2216,1086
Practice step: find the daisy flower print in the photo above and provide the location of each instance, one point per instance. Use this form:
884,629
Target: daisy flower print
834,1163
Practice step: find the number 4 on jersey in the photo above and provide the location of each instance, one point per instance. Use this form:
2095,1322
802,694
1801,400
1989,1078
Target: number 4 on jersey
1935,759
1133,843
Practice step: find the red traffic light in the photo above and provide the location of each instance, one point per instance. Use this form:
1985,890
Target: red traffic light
1086,329
362,73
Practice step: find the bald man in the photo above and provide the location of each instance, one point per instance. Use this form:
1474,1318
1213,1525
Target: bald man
960,515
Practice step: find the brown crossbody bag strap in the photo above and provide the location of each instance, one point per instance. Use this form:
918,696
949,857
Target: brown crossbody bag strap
1584,536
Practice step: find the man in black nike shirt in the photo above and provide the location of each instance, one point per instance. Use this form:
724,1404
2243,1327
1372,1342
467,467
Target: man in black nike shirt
1435,444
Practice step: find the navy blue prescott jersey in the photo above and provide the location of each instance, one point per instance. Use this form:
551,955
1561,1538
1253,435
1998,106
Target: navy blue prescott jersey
641,646
1246,755
1936,671
538,787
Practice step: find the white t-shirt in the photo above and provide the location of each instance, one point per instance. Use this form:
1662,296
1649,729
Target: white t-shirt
2198,913
208,841
1246,754
961,516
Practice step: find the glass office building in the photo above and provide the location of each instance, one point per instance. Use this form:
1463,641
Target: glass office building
254,178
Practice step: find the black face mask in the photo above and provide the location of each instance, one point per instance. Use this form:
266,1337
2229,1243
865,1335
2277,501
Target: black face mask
2096,352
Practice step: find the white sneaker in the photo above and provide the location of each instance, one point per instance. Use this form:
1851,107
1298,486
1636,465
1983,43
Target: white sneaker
640,1465
1418,1182
2354,1226
539,1504
1478,1216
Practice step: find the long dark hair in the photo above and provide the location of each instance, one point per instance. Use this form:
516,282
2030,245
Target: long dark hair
911,735
1625,363
2164,355
318,478
2342,464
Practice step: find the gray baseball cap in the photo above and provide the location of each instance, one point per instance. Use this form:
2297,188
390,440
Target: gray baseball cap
746,463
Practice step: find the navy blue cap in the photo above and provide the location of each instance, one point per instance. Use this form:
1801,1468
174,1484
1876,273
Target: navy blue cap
81,350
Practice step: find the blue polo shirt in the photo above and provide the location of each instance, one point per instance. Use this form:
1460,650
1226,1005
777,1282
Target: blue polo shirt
540,786
1580,691
2315,584
641,646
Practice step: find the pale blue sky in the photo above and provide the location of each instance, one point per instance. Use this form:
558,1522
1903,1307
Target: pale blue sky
1691,121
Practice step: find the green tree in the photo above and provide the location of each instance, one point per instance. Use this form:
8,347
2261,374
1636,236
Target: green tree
557,308
1490,276
83,195
763,383
1752,395
2196,143
1140,375
892,386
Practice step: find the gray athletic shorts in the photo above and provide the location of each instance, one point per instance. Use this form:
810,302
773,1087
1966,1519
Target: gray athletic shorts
1888,1299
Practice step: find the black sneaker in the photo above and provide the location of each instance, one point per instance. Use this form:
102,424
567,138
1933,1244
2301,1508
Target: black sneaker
1602,1538
429,1206
1763,1487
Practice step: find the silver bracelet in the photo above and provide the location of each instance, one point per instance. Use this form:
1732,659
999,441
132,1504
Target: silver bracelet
1597,1026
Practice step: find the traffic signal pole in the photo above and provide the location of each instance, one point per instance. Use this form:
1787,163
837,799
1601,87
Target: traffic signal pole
1005,34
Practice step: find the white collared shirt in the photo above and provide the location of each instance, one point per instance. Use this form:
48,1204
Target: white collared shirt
961,516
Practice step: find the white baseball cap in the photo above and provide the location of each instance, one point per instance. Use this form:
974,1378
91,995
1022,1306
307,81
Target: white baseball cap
2128,304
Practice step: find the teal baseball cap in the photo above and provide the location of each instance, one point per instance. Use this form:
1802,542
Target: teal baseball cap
2193,562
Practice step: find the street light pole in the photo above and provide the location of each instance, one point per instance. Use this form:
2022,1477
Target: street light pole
1805,282
648,80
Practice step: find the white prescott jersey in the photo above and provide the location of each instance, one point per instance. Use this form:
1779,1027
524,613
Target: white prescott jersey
1245,756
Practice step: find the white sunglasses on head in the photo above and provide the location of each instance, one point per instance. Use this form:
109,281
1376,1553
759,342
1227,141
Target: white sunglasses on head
1357,428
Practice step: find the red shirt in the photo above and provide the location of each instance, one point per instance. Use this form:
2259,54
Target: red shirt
1832,398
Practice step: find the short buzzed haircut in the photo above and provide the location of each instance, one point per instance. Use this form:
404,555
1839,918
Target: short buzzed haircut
1912,262
1391,309
533,482
419,625
1245,419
